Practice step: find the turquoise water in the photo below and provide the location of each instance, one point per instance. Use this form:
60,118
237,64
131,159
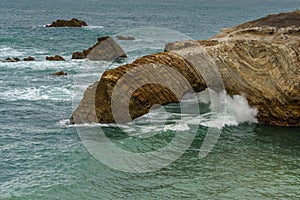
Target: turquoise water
42,156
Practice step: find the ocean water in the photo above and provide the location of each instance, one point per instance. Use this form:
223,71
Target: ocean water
43,157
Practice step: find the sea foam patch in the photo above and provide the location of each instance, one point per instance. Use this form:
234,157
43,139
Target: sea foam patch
35,94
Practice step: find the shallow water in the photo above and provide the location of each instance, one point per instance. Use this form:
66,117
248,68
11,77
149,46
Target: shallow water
42,156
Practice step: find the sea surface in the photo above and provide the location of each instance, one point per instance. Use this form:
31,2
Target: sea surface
42,156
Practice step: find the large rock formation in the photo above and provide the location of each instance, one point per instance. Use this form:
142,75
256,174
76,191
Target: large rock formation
258,59
68,23
105,49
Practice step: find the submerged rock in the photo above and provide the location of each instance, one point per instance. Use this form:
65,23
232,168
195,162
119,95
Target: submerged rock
59,73
105,49
55,58
121,37
68,23
258,59
29,59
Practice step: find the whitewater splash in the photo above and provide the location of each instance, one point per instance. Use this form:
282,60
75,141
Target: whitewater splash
168,118
237,111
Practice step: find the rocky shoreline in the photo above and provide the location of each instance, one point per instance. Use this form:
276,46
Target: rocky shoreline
258,59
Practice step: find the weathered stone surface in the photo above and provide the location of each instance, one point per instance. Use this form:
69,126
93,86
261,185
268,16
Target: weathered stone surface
55,58
258,59
105,49
59,73
29,59
68,23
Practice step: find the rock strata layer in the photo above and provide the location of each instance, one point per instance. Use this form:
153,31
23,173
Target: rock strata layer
105,49
258,59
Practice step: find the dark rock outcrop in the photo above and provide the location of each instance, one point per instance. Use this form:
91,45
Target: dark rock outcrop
121,37
258,59
55,58
105,49
78,55
8,59
68,23
59,73
29,59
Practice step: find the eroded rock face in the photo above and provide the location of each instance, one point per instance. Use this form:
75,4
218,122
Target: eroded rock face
105,49
258,59
68,23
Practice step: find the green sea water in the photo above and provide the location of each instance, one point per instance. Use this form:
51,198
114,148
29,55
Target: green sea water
43,156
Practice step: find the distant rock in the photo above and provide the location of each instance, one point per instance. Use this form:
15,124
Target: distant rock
105,49
258,59
8,59
16,59
68,23
29,59
55,58
121,37
59,73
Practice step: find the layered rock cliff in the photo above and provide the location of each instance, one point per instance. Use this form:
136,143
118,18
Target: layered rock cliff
258,59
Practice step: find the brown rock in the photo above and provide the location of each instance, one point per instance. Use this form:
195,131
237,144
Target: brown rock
120,37
16,59
68,23
105,49
258,59
59,73
8,59
78,55
29,59
55,58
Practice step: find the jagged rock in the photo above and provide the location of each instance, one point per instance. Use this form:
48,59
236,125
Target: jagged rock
68,23
55,58
59,73
29,59
258,59
121,37
105,49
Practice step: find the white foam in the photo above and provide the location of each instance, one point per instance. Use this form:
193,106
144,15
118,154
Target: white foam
224,110
177,127
63,123
92,27
11,52
34,94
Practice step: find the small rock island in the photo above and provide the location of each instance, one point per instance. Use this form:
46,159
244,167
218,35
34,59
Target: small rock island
68,23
